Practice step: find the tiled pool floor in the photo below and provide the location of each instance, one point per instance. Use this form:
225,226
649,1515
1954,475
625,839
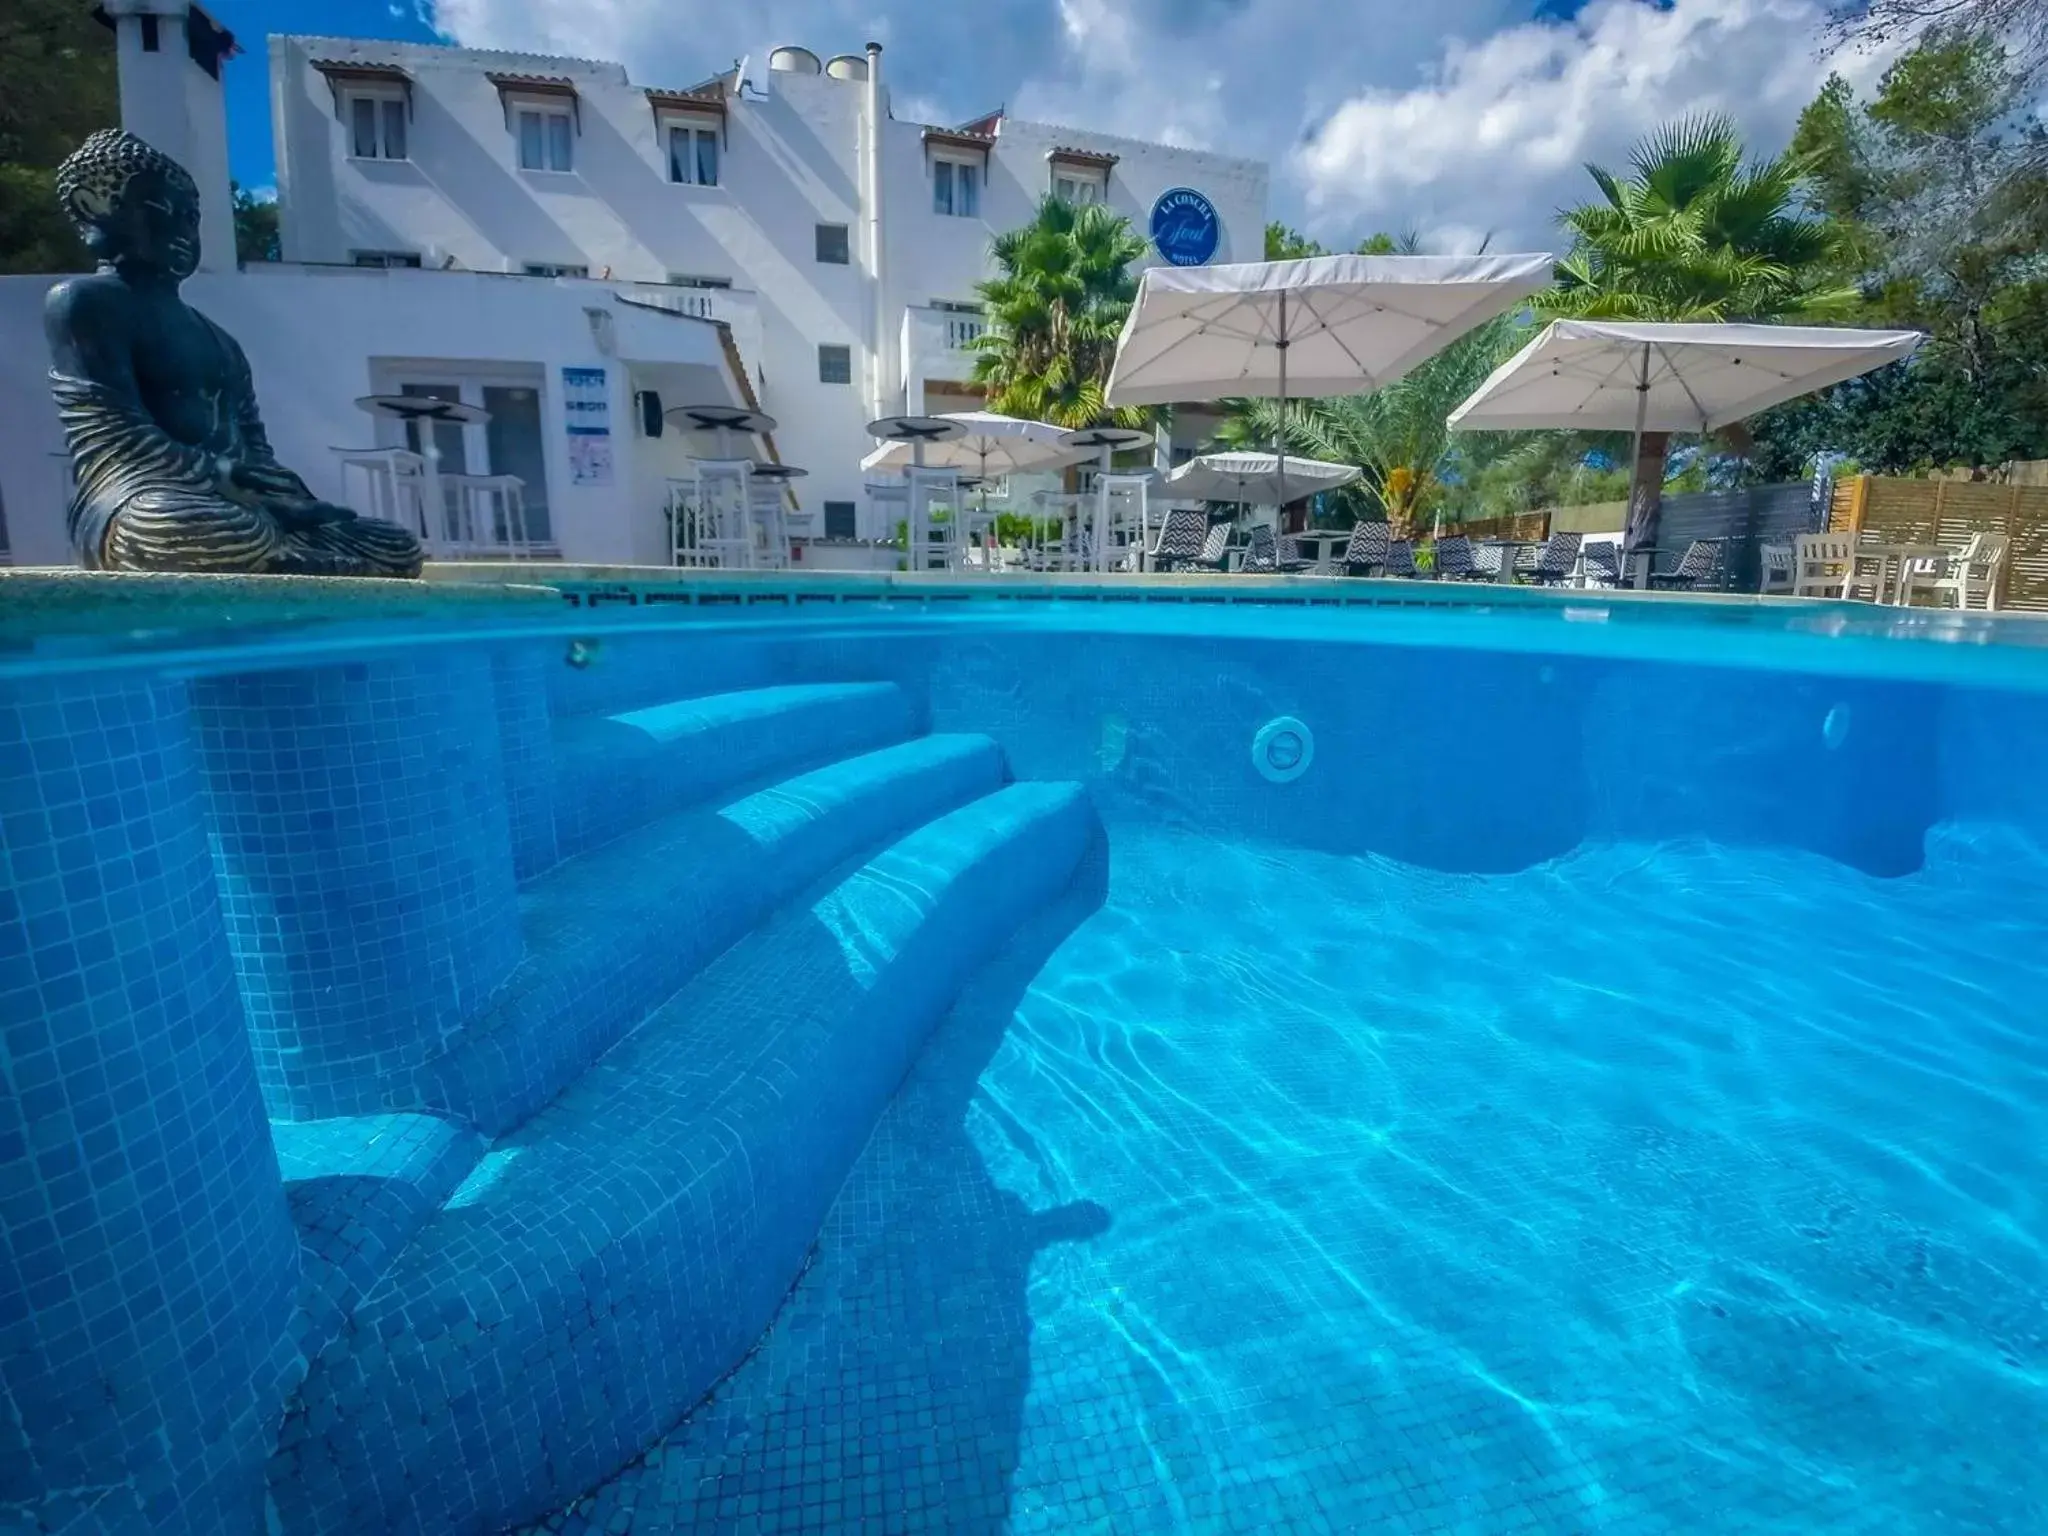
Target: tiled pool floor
1658,1189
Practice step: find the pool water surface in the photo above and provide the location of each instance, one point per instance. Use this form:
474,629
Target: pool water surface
1656,1187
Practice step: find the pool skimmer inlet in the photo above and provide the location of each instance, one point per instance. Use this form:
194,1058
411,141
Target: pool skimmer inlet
1283,749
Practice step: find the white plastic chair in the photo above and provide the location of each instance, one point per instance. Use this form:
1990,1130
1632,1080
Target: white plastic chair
1820,564
1970,574
1777,567
1872,569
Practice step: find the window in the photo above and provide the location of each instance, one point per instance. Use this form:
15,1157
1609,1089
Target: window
376,126
835,365
956,188
1070,187
544,139
841,521
554,269
693,156
686,280
832,245
385,258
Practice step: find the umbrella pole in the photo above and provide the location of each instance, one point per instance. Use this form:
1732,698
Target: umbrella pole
988,530
1280,429
1102,528
1632,534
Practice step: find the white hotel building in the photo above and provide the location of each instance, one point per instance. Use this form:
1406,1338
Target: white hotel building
474,223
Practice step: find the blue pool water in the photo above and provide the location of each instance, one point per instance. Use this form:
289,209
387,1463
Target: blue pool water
1656,1188
901,1065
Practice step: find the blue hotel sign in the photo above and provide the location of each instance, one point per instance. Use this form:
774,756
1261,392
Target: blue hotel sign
1185,228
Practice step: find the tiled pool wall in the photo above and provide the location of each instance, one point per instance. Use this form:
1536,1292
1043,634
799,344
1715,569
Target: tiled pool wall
294,892
148,1264
1459,760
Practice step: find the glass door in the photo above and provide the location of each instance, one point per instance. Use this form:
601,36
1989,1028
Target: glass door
513,442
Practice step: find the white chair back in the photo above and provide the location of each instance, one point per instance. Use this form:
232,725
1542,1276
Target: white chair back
1821,563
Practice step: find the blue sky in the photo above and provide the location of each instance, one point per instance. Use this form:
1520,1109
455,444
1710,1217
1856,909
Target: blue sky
1455,118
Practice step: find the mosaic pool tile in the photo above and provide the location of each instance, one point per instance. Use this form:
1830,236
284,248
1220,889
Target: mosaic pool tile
147,1261
605,1263
358,1188
364,860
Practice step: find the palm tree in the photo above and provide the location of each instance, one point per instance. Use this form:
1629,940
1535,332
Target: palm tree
1396,435
1692,231
1055,309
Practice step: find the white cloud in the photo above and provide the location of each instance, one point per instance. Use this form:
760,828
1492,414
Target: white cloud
1456,118
1495,136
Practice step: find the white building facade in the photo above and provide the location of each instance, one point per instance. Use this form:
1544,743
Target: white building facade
841,246
551,241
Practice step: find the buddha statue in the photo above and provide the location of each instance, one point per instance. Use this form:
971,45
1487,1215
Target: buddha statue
173,470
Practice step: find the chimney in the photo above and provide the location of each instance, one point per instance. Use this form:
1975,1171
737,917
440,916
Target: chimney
169,54
882,397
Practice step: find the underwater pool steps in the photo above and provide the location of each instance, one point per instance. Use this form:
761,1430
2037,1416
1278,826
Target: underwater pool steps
612,773
606,1263
700,877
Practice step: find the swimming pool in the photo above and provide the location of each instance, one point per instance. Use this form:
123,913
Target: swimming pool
901,1062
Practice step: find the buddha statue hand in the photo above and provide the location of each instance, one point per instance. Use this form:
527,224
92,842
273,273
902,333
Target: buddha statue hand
282,494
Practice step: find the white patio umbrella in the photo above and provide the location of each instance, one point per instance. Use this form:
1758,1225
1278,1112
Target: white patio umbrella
1294,330
1260,479
989,444
1614,376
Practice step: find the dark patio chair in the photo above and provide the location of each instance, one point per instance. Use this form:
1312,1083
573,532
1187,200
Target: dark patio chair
1454,559
1367,550
1180,539
1215,551
1265,555
1401,558
1560,557
1700,566
1603,564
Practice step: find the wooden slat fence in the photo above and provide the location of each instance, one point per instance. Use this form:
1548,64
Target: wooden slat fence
1527,527
1948,512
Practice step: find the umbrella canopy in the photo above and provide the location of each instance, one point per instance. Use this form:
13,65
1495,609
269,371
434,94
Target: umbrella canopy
989,444
1324,325
1618,376
1612,376
1256,478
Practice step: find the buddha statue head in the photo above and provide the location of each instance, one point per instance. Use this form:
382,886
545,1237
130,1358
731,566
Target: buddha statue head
133,205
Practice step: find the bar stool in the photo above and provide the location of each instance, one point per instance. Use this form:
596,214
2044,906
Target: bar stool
770,493
724,533
394,488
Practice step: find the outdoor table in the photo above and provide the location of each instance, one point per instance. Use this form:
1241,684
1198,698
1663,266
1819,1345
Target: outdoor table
1328,546
1892,561
723,420
428,411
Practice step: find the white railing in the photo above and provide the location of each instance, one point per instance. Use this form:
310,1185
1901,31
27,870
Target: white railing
961,330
